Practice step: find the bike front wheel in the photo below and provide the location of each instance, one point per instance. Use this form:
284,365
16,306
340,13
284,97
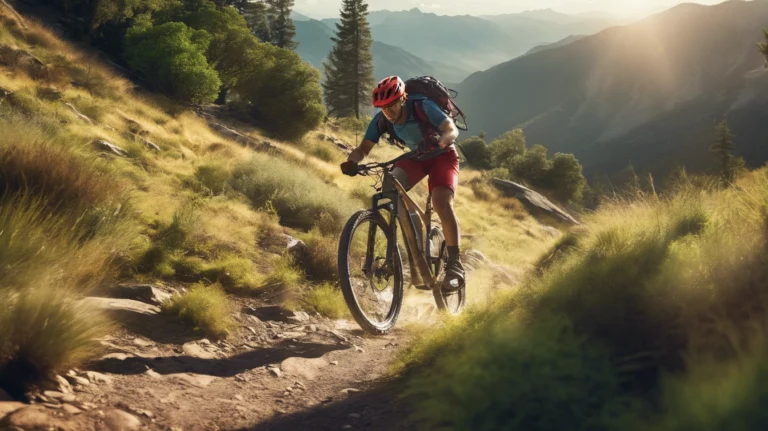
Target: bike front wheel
371,282
452,302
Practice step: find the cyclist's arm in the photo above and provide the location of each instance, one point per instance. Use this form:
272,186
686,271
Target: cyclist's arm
362,150
371,138
448,133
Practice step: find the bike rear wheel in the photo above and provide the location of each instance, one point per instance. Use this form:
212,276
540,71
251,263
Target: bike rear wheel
451,302
372,286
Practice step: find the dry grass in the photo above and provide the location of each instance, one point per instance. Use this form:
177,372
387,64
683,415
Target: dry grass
327,300
205,308
650,297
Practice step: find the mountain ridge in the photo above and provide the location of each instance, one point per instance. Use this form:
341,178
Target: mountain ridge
606,87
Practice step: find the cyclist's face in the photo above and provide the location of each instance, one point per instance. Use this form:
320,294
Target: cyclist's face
393,110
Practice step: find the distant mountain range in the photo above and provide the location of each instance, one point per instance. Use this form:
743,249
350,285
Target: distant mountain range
315,43
414,43
648,93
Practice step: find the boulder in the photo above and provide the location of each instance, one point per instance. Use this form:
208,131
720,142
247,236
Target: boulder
141,292
116,304
35,418
118,420
303,367
112,148
533,199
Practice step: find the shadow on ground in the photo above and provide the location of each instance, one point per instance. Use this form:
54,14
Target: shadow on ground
375,409
227,367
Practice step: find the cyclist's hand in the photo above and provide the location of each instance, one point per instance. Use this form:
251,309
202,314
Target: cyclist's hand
349,168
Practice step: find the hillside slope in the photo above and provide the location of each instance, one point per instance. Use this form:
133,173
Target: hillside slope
168,266
646,92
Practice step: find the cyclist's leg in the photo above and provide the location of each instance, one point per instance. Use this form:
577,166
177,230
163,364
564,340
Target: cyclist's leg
443,182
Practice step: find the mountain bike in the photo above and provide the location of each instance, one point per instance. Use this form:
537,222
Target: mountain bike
370,265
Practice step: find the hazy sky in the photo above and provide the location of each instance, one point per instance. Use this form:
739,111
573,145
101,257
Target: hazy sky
620,8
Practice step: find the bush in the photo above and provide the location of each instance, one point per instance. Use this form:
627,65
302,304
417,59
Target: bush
47,330
287,97
477,152
648,297
321,257
297,195
324,153
214,175
546,368
171,56
506,147
326,300
236,274
285,274
205,308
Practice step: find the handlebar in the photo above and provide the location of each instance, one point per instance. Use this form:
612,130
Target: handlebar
415,155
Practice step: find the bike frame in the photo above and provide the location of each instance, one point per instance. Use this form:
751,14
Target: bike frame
419,250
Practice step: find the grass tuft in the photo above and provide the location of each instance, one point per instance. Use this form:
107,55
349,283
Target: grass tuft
327,300
297,195
204,308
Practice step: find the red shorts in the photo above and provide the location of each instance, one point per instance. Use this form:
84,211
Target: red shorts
443,171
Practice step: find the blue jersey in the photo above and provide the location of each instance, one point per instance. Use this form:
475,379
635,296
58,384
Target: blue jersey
410,132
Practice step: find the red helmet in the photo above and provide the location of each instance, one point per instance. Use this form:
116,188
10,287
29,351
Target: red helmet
388,90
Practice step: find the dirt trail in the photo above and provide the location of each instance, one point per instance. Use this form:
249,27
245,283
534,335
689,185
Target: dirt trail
280,371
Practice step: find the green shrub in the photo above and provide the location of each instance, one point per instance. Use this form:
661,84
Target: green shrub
326,300
286,97
214,175
236,274
297,195
477,152
321,257
510,377
48,329
172,57
649,301
285,274
205,308
324,153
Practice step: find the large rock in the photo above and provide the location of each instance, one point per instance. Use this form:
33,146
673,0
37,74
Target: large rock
8,407
303,367
532,199
196,351
116,304
141,292
118,420
198,380
35,418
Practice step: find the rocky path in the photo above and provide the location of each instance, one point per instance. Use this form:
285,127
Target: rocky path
280,371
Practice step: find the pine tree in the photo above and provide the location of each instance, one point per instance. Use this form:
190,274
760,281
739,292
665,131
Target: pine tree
281,25
764,47
723,149
349,69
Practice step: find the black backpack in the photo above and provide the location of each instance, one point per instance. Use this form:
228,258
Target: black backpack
435,91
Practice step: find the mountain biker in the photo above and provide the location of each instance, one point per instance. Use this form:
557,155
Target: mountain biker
443,171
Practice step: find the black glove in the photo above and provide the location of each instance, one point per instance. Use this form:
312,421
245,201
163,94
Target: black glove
349,168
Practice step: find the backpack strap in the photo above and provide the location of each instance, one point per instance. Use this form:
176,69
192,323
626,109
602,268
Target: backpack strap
430,133
385,126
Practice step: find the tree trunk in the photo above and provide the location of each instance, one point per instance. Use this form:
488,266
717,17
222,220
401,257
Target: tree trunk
222,99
